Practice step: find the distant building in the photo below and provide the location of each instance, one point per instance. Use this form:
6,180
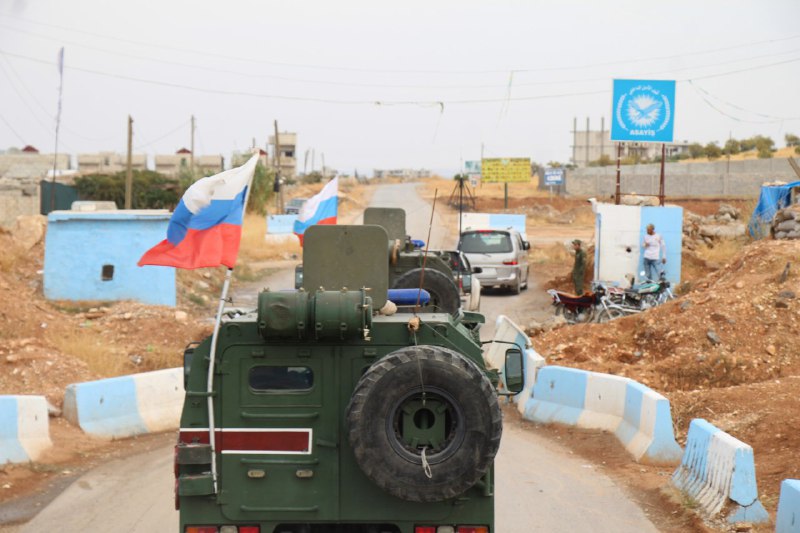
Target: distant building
287,151
240,158
109,163
403,173
21,172
173,165
589,146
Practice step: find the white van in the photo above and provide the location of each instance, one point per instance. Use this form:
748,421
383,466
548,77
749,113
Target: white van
501,254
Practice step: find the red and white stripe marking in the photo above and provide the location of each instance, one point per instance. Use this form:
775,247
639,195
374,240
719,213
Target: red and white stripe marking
265,441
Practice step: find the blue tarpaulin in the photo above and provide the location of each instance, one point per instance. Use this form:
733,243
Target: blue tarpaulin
772,199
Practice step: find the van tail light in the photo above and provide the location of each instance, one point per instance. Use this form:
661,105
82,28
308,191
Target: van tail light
472,529
249,529
201,529
425,529
510,263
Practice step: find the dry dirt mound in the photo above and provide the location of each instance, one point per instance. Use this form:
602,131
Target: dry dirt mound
727,351
45,346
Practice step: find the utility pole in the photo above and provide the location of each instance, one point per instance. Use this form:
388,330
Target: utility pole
305,163
602,137
191,153
574,140
323,165
587,141
278,186
313,159
129,167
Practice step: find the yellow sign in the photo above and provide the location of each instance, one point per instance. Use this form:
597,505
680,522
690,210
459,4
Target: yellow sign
514,169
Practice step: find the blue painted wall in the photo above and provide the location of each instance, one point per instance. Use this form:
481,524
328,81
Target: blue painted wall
669,224
280,224
79,244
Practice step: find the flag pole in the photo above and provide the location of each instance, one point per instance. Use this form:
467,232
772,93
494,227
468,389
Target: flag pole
213,353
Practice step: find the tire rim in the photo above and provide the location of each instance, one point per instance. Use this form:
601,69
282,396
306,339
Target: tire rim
435,425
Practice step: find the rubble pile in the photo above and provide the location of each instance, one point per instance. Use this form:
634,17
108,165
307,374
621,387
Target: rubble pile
725,224
786,224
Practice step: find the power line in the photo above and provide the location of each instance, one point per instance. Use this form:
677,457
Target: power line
19,137
162,137
377,102
770,118
206,54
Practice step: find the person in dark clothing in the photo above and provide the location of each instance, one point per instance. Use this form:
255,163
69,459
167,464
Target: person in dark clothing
579,268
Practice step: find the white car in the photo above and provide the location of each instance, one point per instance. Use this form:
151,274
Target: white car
502,255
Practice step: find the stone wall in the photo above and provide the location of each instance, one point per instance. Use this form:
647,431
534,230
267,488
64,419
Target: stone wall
713,179
16,200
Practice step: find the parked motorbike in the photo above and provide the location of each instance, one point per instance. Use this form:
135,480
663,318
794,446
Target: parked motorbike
619,302
577,309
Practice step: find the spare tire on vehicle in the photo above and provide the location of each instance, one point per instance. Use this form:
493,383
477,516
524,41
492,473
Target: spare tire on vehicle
424,423
443,290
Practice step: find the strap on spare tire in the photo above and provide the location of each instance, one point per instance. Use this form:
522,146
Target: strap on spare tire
424,423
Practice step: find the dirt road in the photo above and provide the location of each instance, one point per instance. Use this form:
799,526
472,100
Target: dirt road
540,486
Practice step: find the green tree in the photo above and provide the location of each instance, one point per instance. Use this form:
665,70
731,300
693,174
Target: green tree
792,140
151,190
764,145
603,161
713,151
747,144
261,189
732,146
696,150
554,164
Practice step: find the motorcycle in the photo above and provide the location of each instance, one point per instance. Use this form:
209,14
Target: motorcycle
619,302
577,309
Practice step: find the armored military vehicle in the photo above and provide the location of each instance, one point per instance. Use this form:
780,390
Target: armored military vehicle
324,411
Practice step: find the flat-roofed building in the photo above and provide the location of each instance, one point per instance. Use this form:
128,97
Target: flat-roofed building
109,163
288,152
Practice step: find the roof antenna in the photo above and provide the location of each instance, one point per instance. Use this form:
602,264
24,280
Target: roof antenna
425,255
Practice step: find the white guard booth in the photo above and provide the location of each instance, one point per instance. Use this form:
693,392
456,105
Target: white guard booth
619,233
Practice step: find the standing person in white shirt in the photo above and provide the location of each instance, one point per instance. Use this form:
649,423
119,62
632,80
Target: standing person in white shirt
653,246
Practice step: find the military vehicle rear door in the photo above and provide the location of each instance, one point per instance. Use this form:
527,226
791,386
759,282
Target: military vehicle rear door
278,449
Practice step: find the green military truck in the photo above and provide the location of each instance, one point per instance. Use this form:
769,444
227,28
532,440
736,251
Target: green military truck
325,411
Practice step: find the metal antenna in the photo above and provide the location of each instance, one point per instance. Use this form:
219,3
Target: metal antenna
425,255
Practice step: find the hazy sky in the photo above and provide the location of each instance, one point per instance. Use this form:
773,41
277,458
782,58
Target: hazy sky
377,84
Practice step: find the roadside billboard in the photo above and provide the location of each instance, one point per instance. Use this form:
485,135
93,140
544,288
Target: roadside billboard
508,170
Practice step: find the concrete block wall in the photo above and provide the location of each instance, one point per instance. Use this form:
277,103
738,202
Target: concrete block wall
788,517
713,179
16,202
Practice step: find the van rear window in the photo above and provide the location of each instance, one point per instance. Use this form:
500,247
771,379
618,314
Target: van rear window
486,242
281,378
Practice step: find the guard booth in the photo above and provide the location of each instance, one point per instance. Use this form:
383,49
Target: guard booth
92,255
619,232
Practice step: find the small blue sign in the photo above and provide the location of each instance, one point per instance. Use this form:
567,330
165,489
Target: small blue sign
644,110
553,176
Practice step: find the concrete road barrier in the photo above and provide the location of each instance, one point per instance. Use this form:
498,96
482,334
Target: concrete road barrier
717,468
788,518
127,405
638,416
24,428
508,335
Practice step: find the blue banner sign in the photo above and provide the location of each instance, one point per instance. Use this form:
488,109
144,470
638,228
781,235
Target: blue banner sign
643,110
553,176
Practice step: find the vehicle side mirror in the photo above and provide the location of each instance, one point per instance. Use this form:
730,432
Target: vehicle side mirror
526,245
513,371
477,270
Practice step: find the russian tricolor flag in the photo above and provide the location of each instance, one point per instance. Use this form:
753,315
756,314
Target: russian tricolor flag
206,226
320,209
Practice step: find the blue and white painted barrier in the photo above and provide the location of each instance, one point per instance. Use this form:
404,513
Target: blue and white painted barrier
280,229
639,417
717,468
493,221
506,335
127,405
24,428
281,224
788,517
